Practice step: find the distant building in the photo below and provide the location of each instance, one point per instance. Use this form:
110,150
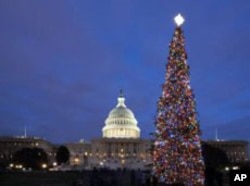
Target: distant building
10,145
235,150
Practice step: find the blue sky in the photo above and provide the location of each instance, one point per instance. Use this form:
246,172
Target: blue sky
62,64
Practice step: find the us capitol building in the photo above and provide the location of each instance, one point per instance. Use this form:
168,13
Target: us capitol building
120,145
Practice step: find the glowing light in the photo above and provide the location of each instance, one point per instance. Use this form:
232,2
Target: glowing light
235,167
179,20
19,166
44,165
76,160
123,161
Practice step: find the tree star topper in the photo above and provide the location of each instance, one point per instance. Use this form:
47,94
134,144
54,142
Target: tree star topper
179,20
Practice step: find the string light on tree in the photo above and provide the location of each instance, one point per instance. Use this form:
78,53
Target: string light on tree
177,157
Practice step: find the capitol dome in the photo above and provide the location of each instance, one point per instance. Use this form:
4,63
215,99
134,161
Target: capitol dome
121,122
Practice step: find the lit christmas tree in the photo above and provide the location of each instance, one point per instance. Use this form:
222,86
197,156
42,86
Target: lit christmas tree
177,157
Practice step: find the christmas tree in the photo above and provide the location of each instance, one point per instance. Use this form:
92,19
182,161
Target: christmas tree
177,157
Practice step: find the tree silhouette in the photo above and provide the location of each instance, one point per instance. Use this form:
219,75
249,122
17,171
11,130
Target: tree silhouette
31,158
62,155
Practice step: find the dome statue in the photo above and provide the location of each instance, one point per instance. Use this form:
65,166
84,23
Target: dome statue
121,122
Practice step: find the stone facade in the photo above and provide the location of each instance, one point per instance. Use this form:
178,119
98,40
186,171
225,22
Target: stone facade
120,153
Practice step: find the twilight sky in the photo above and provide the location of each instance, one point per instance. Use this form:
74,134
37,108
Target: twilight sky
62,64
